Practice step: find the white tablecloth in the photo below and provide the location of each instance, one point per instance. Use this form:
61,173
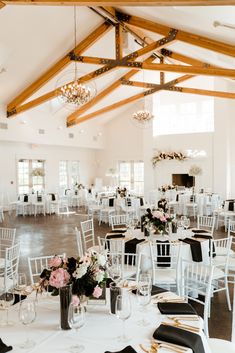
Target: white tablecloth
99,333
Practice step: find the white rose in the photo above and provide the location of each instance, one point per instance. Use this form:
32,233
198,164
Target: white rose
80,271
101,259
99,276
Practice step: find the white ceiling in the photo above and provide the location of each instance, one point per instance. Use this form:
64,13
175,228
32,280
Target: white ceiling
32,38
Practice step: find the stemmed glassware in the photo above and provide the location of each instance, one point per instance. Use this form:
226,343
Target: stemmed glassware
20,284
27,316
6,301
144,288
123,312
76,319
186,223
115,270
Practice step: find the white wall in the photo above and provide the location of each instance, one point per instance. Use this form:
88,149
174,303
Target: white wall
11,152
123,141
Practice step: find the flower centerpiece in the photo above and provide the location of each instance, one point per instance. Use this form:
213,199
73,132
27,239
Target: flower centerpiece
84,276
166,187
157,221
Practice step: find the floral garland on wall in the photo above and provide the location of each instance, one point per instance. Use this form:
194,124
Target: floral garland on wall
161,156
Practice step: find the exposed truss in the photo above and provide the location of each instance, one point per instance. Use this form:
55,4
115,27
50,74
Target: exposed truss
157,50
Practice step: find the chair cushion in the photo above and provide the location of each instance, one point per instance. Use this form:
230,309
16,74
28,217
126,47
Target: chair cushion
165,276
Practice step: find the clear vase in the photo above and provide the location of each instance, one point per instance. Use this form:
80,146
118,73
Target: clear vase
65,300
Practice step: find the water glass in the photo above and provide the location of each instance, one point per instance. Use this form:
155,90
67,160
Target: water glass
123,312
6,301
76,319
143,298
27,316
115,291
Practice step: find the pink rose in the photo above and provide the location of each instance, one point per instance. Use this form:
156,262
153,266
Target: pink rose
75,300
97,292
162,219
59,278
167,215
55,261
157,214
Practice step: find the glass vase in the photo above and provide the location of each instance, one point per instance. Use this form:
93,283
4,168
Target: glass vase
65,300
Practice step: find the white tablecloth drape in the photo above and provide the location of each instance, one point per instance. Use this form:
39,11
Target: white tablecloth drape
99,333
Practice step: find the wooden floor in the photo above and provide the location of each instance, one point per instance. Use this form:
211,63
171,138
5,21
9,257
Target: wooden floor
55,234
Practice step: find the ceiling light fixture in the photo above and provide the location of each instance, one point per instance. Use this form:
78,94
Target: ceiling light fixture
143,117
75,93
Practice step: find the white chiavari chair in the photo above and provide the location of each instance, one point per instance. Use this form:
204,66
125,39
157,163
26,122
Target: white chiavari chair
79,242
207,223
37,264
197,277
7,278
119,222
88,234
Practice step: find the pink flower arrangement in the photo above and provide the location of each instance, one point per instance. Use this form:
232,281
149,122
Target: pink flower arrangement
97,292
59,278
55,261
86,274
157,221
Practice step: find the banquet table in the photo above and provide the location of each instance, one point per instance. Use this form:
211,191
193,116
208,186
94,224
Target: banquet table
99,334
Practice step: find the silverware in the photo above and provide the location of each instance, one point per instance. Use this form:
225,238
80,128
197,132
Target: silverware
184,327
171,345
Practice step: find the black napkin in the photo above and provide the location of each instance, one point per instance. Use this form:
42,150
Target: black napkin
177,198
230,205
39,198
203,236
142,223
199,231
130,248
130,245
155,290
164,261
52,197
195,247
127,349
176,309
4,348
115,236
26,198
118,230
179,336
141,201
111,202
18,298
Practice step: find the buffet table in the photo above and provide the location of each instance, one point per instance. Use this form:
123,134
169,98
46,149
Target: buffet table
99,334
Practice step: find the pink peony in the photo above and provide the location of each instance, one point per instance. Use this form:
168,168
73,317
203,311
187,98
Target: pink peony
75,300
167,215
59,278
157,214
97,292
162,219
55,261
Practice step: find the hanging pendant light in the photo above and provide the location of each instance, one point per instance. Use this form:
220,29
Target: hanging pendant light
74,93
144,116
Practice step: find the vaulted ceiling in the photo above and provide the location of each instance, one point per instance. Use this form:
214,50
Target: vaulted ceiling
171,45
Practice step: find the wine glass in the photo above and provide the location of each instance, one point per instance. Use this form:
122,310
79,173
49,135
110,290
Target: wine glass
76,319
123,312
115,270
21,284
27,316
143,298
186,223
7,299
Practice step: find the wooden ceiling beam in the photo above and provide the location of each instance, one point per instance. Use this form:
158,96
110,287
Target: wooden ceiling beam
193,70
58,66
128,100
122,2
173,88
2,5
127,61
71,119
118,41
187,37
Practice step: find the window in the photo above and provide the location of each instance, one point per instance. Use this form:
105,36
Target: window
31,175
187,115
68,174
131,175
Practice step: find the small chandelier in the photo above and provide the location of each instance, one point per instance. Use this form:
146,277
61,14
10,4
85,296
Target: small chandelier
74,93
142,116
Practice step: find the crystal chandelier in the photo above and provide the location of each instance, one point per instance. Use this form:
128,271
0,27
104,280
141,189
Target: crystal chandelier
142,116
75,93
